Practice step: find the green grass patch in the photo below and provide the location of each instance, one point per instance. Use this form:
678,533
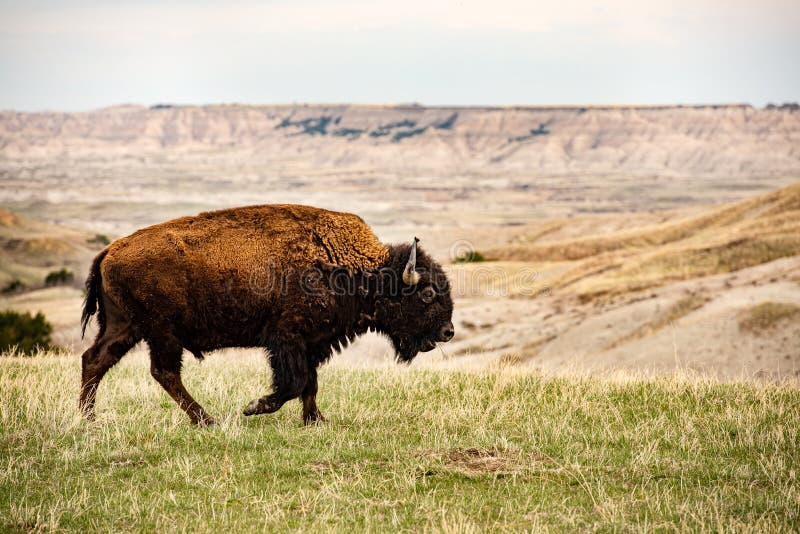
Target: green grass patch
404,450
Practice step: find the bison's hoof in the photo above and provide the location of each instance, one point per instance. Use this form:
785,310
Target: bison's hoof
313,418
254,408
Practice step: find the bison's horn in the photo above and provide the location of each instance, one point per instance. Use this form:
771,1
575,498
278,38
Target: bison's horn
410,274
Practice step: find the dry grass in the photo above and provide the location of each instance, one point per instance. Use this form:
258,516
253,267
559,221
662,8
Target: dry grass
405,450
724,239
478,461
764,317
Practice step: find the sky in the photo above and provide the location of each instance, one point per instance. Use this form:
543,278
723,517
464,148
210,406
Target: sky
72,55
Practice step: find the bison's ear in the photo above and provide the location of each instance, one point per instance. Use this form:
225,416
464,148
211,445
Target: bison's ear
410,274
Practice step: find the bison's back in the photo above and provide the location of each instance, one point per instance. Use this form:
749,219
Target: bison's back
192,269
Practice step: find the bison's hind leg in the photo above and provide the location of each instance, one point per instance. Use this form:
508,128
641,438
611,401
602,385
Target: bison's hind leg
165,366
107,350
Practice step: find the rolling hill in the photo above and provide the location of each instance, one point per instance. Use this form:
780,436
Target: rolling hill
715,291
720,240
30,249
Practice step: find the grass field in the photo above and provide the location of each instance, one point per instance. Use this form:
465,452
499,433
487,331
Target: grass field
404,449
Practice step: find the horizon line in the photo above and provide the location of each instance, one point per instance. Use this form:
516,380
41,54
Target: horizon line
417,105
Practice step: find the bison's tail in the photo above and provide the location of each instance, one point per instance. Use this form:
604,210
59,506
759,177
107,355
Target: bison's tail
93,302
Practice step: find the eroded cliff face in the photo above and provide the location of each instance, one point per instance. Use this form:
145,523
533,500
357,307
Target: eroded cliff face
688,141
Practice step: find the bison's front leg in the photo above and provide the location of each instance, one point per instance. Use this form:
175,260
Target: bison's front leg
267,404
272,403
290,372
311,413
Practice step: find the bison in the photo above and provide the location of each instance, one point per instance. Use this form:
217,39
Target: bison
300,282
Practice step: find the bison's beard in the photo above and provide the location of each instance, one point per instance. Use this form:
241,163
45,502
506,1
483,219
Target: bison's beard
406,348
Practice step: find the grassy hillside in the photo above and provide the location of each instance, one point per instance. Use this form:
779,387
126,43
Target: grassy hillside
405,449
712,288
31,249
720,240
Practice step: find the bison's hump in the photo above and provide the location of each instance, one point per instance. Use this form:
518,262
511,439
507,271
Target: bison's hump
283,235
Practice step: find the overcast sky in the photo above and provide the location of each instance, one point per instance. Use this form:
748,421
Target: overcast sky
72,55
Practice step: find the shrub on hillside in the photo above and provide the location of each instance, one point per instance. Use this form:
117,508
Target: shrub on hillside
764,317
24,332
14,286
100,239
56,278
469,257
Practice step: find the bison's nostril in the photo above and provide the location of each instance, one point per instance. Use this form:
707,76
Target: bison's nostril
447,332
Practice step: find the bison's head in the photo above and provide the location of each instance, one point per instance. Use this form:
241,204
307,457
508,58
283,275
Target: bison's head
413,308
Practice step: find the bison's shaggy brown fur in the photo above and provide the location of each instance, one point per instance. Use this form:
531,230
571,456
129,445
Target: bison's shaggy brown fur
296,280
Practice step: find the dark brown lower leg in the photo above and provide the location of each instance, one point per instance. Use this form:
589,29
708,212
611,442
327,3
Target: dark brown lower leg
96,362
311,413
165,366
267,404
289,377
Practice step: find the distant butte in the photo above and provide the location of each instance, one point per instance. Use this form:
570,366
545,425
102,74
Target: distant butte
689,140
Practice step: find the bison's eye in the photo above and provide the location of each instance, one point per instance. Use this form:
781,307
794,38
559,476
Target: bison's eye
427,295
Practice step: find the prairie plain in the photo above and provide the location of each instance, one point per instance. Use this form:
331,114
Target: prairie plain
404,450
627,315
